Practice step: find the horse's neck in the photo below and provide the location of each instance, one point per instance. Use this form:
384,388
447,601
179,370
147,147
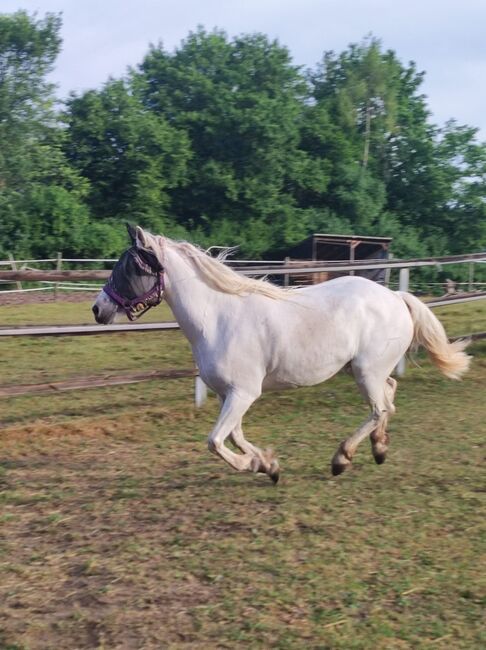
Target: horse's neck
187,295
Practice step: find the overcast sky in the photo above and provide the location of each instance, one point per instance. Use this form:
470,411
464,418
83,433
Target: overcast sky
446,38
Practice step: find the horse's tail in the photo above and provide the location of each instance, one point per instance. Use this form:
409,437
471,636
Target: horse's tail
450,358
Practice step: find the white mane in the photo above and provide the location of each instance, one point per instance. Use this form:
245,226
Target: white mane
212,271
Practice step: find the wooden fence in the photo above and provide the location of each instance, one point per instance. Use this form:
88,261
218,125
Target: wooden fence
245,267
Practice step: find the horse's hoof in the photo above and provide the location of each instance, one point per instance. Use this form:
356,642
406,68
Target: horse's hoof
274,472
275,477
338,468
341,460
379,448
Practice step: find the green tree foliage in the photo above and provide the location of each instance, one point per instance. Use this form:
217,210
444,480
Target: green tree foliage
225,141
397,174
41,196
240,102
129,155
360,89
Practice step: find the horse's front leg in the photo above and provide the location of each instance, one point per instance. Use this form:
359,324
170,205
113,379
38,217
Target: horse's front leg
265,461
234,407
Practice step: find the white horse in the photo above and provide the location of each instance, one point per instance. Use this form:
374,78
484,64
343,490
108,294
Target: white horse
249,336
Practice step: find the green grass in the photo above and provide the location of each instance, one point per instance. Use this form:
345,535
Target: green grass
35,360
119,529
64,313
465,318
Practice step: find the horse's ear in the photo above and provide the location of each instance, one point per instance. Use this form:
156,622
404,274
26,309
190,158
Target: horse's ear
140,238
132,233
137,235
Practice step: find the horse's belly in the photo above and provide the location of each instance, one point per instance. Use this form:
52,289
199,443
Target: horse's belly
301,375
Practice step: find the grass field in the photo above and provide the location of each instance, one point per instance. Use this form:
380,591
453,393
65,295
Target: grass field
118,530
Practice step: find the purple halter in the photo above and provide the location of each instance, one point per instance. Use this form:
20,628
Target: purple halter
135,307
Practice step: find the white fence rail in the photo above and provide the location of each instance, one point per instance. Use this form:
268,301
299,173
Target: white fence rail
200,389
88,280
276,267
79,281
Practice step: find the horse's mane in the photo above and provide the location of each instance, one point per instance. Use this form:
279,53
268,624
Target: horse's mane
217,275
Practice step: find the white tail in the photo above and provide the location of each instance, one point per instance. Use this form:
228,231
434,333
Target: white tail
450,358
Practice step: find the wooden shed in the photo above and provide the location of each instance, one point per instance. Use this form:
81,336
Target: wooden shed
341,248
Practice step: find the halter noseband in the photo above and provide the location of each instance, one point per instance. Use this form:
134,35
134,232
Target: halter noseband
135,307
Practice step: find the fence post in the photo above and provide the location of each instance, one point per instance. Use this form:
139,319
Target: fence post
13,264
471,276
352,246
403,286
286,276
58,268
200,392
388,272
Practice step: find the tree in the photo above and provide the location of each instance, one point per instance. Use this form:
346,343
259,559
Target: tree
352,115
360,89
41,198
130,156
461,161
227,141
240,103
393,172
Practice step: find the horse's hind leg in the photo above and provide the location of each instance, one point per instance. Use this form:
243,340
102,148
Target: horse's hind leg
343,457
380,438
377,393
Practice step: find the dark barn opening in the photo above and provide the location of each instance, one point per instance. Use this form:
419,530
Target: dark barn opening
324,247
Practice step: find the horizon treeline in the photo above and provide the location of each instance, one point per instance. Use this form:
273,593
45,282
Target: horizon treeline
227,142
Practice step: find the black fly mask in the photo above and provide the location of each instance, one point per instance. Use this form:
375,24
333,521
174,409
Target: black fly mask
137,282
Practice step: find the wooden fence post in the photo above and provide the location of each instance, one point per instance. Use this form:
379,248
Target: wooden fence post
388,272
471,276
13,264
286,276
58,268
403,286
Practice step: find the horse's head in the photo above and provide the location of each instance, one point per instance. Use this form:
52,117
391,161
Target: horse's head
136,283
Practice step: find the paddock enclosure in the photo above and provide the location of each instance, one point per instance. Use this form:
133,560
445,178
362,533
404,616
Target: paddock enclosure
119,530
